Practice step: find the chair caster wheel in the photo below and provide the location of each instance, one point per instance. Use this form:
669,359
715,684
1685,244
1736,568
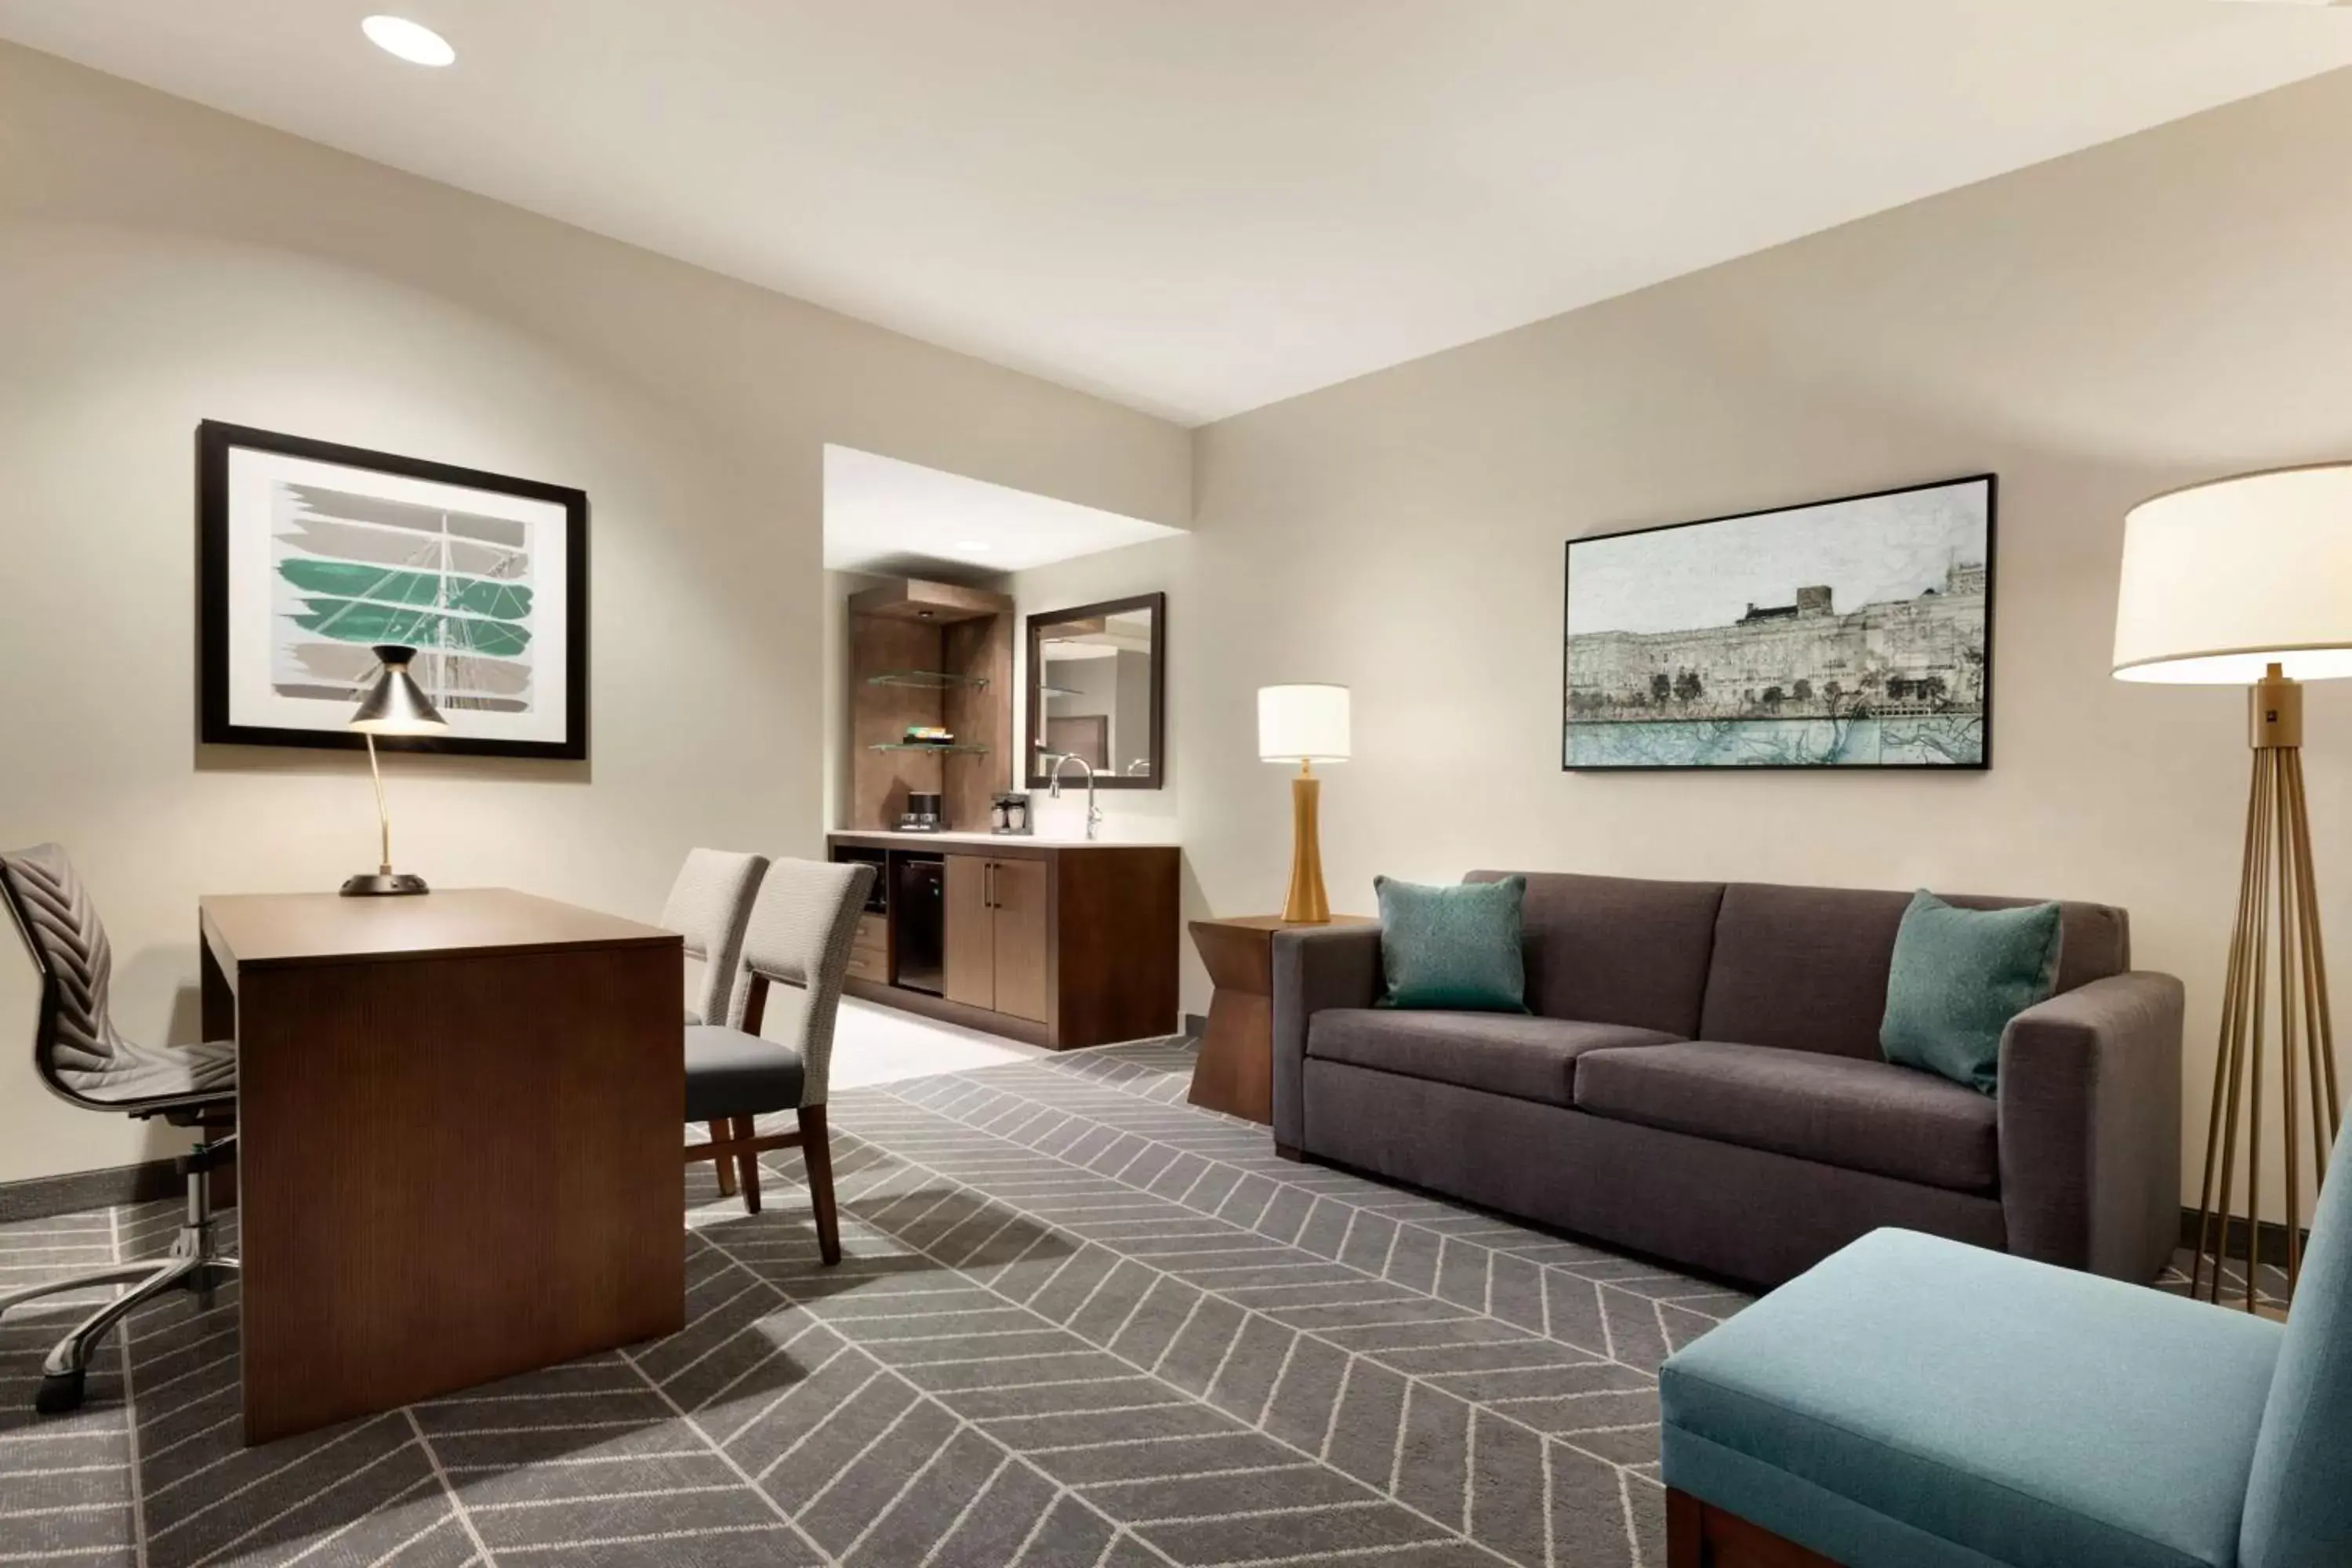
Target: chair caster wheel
61,1394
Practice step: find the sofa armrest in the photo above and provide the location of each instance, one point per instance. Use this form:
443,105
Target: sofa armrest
2090,1127
1314,968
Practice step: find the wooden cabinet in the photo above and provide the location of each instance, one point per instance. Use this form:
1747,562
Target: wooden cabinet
996,937
1059,944
869,951
968,934
1022,938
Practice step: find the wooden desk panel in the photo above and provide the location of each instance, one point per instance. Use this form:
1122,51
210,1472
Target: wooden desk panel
458,1132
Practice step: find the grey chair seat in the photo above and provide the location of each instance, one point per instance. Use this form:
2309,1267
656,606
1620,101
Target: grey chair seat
137,1073
1857,1115
731,1073
1501,1053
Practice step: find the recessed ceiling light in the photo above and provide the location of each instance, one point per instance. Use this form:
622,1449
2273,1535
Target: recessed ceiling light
977,546
412,41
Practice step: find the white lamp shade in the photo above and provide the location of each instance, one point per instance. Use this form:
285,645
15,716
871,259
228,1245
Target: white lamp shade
1302,723
2222,578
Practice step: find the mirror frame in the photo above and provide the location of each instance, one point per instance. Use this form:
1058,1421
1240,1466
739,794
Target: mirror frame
1033,679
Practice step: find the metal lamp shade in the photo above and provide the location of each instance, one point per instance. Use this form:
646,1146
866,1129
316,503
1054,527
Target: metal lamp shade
395,704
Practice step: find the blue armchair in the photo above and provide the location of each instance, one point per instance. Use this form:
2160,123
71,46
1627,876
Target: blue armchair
1916,1403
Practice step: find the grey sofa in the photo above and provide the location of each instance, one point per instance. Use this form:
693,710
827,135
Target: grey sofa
1701,1080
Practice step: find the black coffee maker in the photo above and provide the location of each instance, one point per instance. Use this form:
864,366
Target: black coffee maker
922,813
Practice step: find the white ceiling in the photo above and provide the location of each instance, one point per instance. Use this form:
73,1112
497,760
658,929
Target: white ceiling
883,515
1198,206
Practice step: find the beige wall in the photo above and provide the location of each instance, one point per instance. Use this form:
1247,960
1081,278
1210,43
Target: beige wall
2164,308
161,264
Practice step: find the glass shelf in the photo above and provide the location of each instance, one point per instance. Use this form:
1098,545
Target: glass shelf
925,746
1059,691
929,679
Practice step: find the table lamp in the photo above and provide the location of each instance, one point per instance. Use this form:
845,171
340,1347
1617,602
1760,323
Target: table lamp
394,704
1307,725
2247,581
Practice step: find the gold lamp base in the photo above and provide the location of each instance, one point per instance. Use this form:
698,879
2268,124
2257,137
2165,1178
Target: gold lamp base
2276,882
1306,904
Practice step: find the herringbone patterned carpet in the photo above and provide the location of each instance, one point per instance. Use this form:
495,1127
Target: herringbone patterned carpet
1080,1323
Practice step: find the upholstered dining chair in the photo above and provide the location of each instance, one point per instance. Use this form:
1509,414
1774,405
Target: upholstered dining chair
795,954
82,1059
708,905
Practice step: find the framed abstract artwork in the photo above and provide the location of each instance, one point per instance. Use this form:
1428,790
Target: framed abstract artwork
311,554
1854,633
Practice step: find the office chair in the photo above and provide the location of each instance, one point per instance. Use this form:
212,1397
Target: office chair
85,1062
799,937
708,905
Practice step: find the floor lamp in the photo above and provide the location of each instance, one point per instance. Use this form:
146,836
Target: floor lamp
2248,582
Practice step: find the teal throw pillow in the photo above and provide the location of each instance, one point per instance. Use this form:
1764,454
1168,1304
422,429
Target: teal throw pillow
1455,948
1958,978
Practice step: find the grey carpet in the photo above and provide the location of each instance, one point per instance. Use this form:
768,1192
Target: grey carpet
1079,1323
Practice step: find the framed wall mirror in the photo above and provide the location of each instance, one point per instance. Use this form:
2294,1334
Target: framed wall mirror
1097,693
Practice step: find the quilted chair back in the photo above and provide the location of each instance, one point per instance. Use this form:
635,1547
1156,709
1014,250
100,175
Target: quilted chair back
803,925
707,906
2299,1502
76,1039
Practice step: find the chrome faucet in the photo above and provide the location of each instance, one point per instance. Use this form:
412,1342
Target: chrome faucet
1053,787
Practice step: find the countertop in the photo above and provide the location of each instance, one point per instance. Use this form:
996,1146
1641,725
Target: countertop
1041,840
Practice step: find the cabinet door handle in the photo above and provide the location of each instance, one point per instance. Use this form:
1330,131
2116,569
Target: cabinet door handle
988,885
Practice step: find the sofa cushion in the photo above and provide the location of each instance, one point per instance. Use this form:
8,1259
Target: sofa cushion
1957,977
1617,950
1916,1401
1453,948
1862,1116
1502,1053
1805,968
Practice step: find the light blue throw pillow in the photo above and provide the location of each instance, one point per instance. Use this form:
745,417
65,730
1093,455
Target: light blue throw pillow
1455,948
1959,976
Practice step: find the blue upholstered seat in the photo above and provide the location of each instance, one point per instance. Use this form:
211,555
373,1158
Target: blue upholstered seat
1915,1403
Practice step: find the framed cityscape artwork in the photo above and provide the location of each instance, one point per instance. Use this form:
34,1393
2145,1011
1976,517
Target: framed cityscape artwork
310,555
1854,633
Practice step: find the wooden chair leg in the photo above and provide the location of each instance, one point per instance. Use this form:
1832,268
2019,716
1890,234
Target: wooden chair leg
816,1153
746,1165
1685,1530
726,1169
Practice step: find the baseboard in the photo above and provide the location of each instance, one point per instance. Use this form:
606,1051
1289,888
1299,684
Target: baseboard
1195,1025
2272,1235
41,1196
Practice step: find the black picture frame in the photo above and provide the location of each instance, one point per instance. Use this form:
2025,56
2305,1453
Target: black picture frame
1033,680
216,439
1991,482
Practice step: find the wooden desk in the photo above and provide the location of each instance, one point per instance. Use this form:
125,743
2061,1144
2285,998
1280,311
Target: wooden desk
1234,1071
457,1131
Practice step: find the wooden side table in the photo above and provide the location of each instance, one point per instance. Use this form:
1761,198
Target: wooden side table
1235,1072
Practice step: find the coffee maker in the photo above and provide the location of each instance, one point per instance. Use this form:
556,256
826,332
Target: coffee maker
922,813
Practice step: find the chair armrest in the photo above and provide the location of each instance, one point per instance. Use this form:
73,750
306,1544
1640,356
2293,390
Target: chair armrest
2090,1127
1314,968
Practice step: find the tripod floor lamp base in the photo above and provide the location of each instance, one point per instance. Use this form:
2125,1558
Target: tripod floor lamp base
2275,990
